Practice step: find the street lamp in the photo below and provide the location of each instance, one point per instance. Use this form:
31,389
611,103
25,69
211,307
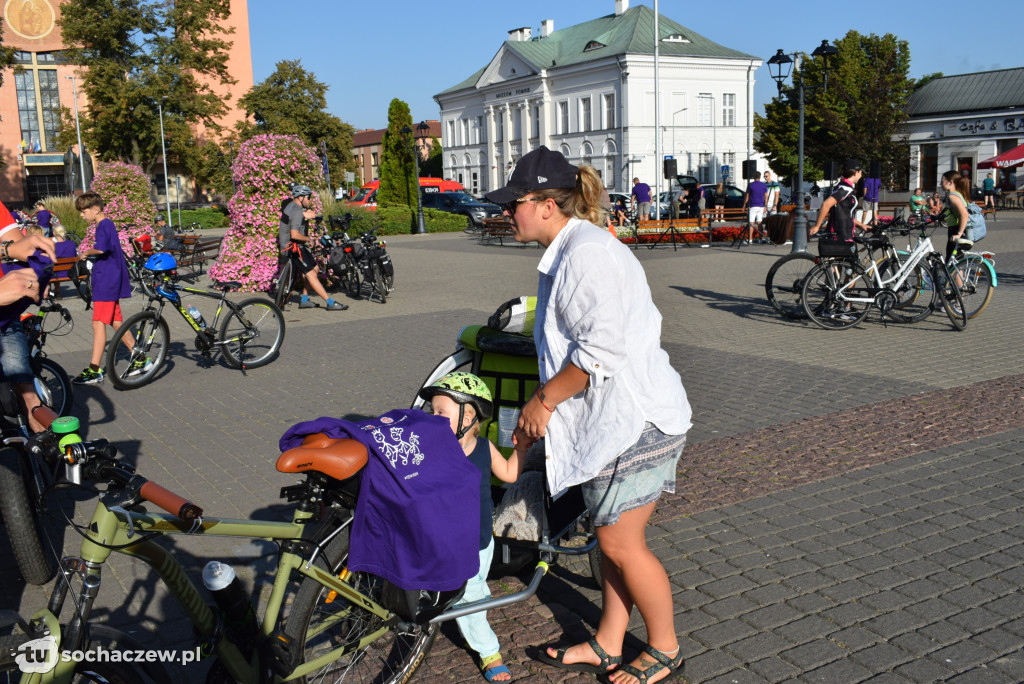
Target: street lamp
78,129
163,149
714,136
780,66
420,228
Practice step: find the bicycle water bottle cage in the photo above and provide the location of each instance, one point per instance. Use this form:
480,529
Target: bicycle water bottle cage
161,261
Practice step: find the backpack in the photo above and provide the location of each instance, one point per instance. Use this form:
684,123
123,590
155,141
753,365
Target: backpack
976,228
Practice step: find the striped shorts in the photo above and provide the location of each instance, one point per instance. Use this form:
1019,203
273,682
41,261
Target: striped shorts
636,478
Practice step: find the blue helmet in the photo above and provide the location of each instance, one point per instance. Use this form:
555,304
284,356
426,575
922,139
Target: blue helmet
161,261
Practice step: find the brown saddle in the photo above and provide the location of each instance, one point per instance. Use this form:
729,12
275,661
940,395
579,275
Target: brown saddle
337,458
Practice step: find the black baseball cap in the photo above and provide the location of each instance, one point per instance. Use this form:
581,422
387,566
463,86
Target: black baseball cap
852,165
540,169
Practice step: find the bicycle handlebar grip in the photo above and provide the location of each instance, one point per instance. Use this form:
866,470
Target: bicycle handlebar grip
45,415
170,502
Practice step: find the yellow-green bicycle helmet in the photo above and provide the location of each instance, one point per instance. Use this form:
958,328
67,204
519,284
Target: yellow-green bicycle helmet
463,388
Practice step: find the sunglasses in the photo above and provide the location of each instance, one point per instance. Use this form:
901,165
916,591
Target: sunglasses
510,207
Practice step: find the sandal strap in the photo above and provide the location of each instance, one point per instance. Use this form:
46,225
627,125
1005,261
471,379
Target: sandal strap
670,663
606,660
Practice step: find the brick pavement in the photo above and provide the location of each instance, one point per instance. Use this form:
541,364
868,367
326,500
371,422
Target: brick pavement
761,407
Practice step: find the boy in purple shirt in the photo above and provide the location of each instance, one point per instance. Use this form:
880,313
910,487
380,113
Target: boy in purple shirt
109,284
755,199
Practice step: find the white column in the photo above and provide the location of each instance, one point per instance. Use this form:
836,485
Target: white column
506,139
493,173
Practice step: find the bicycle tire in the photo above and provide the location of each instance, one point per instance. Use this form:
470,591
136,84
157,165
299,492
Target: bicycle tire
252,335
914,300
21,519
949,295
784,284
977,284
389,280
820,301
284,284
53,386
390,658
152,340
102,637
377,282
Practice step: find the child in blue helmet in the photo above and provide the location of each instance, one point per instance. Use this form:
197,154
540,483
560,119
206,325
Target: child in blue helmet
465,401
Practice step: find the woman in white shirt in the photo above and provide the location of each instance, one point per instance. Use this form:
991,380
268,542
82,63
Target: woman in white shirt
611,408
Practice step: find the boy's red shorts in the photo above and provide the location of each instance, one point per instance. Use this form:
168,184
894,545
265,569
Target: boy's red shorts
107,312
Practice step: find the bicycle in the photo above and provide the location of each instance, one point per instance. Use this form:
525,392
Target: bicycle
839,291
351,626
784,284
52,382
289,279
249,336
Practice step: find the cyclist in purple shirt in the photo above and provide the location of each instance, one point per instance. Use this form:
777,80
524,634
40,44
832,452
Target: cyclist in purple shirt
109,284
755,199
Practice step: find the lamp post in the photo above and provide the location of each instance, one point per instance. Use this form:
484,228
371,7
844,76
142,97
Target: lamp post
163,149
78,130
780,66
420,228
714,136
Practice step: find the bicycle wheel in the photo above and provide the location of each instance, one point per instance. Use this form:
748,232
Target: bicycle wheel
784,284
914,297
251,335
949,295
823,305
351,281
53,386
375,650
135,366
377,282
284,284
976,288
21,518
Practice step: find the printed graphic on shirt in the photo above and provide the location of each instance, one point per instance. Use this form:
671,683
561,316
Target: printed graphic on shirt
395,447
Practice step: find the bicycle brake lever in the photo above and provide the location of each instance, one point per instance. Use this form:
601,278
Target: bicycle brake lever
128,515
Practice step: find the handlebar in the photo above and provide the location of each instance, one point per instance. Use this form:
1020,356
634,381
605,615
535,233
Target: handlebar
99,464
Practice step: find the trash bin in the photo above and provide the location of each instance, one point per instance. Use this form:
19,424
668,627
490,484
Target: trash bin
779,228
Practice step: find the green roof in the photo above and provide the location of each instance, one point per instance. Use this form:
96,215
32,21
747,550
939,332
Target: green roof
978,92
631,33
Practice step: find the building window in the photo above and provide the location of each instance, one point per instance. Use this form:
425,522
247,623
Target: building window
705,115
729,109
478,134
474,185
465,132
563,118
593,45
499,128
704,167
729,159
585,117
50,100
451,133
609,110
536,123
373,159
28,112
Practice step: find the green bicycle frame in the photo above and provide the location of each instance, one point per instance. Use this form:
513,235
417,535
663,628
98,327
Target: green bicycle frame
107,528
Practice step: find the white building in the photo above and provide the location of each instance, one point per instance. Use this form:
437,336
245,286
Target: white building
589,91
958,121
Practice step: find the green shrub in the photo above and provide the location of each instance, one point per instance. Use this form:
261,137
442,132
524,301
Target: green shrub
214,217
63,206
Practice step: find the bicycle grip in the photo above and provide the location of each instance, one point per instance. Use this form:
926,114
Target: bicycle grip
170,502
45,415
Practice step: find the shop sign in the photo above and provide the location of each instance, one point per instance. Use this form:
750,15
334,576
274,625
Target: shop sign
986,126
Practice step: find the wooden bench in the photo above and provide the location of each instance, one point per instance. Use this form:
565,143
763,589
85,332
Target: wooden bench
496,228
196,251
62,274
672,229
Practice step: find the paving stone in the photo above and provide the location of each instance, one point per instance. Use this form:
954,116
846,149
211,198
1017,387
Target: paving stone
882,657
814,654
853,638
772,616
722,633
840,671
775,669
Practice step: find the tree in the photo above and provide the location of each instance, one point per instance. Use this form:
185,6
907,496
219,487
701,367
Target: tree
860,115
6,54
291,101
135,53
398,182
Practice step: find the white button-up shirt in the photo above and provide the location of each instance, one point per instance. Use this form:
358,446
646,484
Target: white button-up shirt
594,310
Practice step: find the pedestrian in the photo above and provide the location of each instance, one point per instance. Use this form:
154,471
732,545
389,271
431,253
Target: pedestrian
292,239
720,195
989,188
611,407
774,193
640,198
109,285
840,208
955,215
754,201
918,203
466,402
869,205
44,218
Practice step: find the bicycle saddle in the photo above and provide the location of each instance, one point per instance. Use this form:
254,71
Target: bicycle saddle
337,458
228,285
872,241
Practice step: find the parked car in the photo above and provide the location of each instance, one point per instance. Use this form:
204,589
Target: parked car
463,203
733,195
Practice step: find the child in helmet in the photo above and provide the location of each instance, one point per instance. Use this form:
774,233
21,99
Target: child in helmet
465,401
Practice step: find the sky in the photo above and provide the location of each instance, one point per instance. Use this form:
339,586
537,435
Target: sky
371,52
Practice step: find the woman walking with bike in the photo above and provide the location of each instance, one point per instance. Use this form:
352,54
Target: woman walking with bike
955,214
612,408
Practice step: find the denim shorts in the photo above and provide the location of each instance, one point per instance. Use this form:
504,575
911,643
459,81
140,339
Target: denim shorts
14,357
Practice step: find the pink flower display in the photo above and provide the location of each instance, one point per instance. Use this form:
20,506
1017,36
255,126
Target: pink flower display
264,168
125,189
